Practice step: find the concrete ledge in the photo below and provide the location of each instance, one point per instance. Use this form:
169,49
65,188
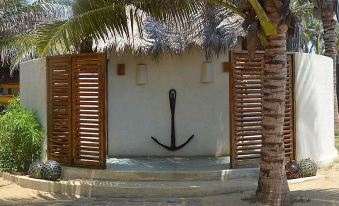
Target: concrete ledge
305,179
148,189
228,174
139,189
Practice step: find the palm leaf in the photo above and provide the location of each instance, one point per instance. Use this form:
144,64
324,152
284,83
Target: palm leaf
17,49
97,20
229,6
266,24
19,19
101,19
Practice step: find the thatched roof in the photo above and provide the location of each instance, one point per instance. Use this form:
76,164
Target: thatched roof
212,29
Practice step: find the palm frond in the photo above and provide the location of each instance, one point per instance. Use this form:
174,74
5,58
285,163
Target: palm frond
105,19
98,21
228,6
211,28
19,19
17,49
168,10
149,26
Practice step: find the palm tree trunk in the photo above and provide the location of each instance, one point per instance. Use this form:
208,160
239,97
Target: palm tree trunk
330,48
272,185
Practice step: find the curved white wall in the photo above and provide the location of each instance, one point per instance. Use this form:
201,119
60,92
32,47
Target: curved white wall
314,108
33,92
137,112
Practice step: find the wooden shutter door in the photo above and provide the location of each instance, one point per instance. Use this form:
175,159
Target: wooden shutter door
289,127
59,109
89,136
246,97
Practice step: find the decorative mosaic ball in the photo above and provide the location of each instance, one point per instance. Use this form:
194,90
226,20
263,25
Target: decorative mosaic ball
308,168
292,170
35,170
51,170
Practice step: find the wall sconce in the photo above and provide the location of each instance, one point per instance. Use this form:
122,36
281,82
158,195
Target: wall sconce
226,66
121,70
207,72
141,74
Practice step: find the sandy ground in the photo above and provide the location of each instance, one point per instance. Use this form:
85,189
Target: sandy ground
318,192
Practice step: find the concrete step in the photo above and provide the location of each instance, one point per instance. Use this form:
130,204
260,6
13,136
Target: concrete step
174,175
135,189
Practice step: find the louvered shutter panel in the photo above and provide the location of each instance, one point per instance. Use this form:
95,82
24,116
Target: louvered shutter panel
89,135
59,82
246,98
246,83
289,127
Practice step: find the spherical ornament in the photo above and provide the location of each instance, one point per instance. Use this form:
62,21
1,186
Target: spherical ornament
35,170
292,170
51,170
308,168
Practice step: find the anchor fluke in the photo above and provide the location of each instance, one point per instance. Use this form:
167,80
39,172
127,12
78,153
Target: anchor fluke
173,147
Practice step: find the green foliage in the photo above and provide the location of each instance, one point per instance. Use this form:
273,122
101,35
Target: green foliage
307,12
308,168
20,138
250,199
266,24
299,199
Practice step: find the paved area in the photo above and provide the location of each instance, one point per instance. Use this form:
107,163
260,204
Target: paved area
322,191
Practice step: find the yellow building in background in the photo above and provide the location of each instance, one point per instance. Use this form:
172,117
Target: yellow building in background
7,92
9,86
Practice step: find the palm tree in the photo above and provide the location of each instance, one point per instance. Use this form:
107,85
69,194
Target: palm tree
101,20
19,19
328,8
305,30
272,184
313,33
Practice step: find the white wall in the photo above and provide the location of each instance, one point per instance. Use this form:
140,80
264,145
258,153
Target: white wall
137,112
33,91
314,108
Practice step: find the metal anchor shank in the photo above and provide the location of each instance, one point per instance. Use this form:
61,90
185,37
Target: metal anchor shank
173,147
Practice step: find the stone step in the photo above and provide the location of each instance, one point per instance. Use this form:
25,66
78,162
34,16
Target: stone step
227,174
135,189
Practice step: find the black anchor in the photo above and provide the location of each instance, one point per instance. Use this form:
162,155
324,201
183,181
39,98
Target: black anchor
173,147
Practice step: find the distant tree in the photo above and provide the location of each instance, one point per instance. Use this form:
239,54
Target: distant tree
328,9
305,30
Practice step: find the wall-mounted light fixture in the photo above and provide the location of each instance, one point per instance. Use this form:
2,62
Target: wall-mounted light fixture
207,72
226,66
141,74
121,70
